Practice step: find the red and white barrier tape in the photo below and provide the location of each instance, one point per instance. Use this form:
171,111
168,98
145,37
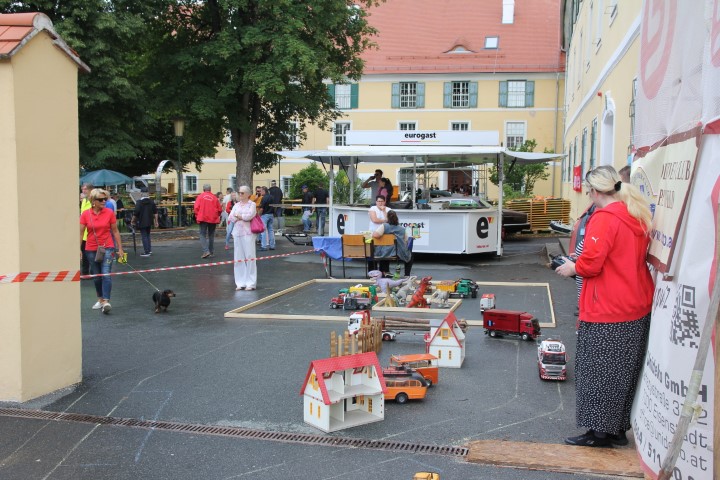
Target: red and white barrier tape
74,276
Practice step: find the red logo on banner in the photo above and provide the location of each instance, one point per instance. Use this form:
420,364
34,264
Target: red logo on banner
656,39
577,178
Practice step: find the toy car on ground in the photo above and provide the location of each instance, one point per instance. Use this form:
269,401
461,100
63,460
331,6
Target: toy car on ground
552,359
487,301
389,335
403,387
462,288
425,364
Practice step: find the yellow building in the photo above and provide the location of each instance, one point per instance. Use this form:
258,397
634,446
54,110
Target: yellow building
40,335
602,61
468,66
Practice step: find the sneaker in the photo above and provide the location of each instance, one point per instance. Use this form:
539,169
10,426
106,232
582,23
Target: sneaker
227,247
619,439
106,307
262,249
97,305
211,255
145,254
588,439
272,248
205,255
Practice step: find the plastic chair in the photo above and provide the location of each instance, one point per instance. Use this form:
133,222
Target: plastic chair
387,240
354,247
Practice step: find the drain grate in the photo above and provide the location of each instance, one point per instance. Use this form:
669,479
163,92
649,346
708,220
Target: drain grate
303,438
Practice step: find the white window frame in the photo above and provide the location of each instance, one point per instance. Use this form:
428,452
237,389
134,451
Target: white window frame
285,184
186,178
509,125
460,94
403,125
342,136
458,123
492,42
599,26
408,94
516,97
343,96
612,10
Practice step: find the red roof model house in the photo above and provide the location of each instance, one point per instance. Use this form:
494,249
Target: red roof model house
343,392
447,342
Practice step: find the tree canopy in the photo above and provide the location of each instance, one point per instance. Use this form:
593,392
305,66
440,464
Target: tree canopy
519,180
251,68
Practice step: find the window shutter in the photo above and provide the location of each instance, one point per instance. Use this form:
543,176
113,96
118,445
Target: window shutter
331,93
420,103
395,101
502,100
447,95
530,94
354,89
473,91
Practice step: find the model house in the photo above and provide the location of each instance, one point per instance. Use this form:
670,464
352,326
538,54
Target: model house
343,392
447,342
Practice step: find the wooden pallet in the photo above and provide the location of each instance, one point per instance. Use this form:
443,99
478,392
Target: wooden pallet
542,211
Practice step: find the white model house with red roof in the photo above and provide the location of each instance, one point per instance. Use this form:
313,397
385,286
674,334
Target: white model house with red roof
343,392
447,342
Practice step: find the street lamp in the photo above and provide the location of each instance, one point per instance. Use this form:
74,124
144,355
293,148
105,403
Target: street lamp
179,126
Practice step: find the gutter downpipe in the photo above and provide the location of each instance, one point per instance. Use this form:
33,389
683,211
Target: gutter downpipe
501,179
555,129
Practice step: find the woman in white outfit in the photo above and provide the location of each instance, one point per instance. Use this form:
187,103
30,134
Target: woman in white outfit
378,213
244,240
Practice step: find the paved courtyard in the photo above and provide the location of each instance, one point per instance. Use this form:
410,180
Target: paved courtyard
193,366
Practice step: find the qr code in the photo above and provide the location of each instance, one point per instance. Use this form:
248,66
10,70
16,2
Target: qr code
684,328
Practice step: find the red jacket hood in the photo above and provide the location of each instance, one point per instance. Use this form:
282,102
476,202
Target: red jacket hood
620,211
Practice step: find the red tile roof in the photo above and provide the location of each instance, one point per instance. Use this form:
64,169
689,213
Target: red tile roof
16,29
336,364
415,36
451,321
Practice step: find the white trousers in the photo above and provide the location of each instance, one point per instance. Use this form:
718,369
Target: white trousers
245,272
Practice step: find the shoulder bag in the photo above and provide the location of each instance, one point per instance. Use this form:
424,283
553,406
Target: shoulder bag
257,225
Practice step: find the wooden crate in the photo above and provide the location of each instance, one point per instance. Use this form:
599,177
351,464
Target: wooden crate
541,211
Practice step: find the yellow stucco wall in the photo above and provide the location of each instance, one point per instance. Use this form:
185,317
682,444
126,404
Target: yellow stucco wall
543,123
607,67
40,335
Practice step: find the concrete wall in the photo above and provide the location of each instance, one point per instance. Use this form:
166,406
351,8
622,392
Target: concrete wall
40,334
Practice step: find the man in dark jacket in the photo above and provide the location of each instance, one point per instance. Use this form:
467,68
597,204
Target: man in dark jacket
277,195
144,217
321,208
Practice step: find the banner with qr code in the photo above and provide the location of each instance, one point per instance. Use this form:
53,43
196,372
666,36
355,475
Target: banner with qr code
679,311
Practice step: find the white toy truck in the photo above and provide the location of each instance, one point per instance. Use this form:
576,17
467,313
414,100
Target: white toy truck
552,360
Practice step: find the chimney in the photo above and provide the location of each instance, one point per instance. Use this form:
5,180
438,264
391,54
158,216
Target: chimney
508,15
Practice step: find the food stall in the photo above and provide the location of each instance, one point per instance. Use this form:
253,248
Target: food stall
461,231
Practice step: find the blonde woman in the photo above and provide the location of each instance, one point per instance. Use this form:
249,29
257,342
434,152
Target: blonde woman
102,231
244,240
615,304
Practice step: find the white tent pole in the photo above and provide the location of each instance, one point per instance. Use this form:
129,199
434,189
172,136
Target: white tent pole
501,180
330,209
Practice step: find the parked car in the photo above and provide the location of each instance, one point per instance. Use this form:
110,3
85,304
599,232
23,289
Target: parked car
513,221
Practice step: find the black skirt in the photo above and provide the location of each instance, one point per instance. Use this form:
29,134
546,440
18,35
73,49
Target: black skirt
608,363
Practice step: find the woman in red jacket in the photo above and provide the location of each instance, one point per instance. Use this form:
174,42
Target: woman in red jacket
615,305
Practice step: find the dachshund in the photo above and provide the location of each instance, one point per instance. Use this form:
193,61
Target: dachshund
162,299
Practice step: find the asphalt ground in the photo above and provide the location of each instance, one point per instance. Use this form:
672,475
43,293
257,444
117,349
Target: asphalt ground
192,365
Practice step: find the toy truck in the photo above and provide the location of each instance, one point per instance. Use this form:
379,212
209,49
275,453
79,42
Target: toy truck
462,288
487,301
355,298
509,322
552,359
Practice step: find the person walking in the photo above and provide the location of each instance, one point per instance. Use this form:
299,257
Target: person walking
103,240
144,217
320,200
267,214
245,269
615,305
84,205
207,213
225,200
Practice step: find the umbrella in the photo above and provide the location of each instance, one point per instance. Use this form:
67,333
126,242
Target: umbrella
105,177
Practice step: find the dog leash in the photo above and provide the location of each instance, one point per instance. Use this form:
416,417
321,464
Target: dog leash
123,260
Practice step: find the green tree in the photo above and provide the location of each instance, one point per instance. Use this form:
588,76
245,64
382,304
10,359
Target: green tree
341,192
311,176
255,68
121,126
519,180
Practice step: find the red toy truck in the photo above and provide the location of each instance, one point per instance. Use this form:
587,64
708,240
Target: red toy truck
510,322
